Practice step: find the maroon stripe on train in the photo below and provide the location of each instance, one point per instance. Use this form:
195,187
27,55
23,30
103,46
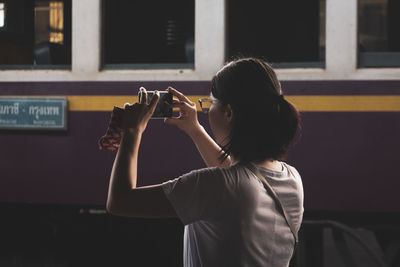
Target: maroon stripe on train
348,160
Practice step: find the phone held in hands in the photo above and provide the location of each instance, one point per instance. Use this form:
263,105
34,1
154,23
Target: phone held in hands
163,109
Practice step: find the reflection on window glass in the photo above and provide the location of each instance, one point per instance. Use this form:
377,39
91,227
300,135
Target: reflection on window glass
37,34
2,15
286,33
148,34
379,41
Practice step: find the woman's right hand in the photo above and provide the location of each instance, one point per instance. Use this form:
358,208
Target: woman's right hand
187,120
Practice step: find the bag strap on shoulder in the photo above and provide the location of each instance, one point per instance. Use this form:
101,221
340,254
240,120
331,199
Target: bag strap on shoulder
270,190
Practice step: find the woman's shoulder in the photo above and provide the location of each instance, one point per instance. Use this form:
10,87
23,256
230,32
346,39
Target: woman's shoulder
291,171
217,171
207,171
208,175
231,177
227,177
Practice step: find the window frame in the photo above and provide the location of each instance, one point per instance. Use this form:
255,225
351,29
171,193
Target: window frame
340,58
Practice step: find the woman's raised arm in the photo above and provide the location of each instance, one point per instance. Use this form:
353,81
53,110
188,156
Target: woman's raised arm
124,199
188,122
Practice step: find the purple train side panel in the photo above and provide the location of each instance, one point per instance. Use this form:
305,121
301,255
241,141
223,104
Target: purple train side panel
348,160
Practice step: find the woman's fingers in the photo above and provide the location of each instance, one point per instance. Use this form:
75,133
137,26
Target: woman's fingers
178,94
153,102
143,93
178,104
128,106
185,109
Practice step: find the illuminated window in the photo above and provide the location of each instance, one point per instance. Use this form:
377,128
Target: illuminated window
286,33
36,34
2,15
378,38
49,22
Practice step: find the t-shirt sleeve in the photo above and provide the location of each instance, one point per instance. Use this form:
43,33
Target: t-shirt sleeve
196,195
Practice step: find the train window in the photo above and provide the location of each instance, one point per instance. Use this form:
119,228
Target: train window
378,38
148,34
2,14
286,33
36,34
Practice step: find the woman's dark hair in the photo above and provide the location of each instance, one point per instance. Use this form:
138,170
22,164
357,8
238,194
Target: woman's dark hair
264,122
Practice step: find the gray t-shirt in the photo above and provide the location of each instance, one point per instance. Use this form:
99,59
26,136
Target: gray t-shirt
231,220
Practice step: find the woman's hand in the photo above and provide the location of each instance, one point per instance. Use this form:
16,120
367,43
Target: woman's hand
136,116
187,120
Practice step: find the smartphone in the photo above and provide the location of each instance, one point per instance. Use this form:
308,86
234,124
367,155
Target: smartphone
163,110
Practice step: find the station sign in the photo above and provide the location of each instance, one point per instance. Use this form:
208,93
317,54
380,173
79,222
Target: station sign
31,113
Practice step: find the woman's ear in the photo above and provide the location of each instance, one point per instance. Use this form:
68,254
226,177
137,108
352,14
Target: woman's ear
229,112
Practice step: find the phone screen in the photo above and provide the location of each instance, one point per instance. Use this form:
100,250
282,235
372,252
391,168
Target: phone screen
162,109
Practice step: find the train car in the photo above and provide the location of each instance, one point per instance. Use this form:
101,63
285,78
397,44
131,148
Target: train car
338,62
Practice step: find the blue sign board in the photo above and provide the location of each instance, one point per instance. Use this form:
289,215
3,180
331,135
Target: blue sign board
31,113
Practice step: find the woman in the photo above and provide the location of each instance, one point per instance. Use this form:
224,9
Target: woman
230,218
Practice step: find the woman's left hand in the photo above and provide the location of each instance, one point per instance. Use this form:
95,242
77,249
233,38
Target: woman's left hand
137,116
